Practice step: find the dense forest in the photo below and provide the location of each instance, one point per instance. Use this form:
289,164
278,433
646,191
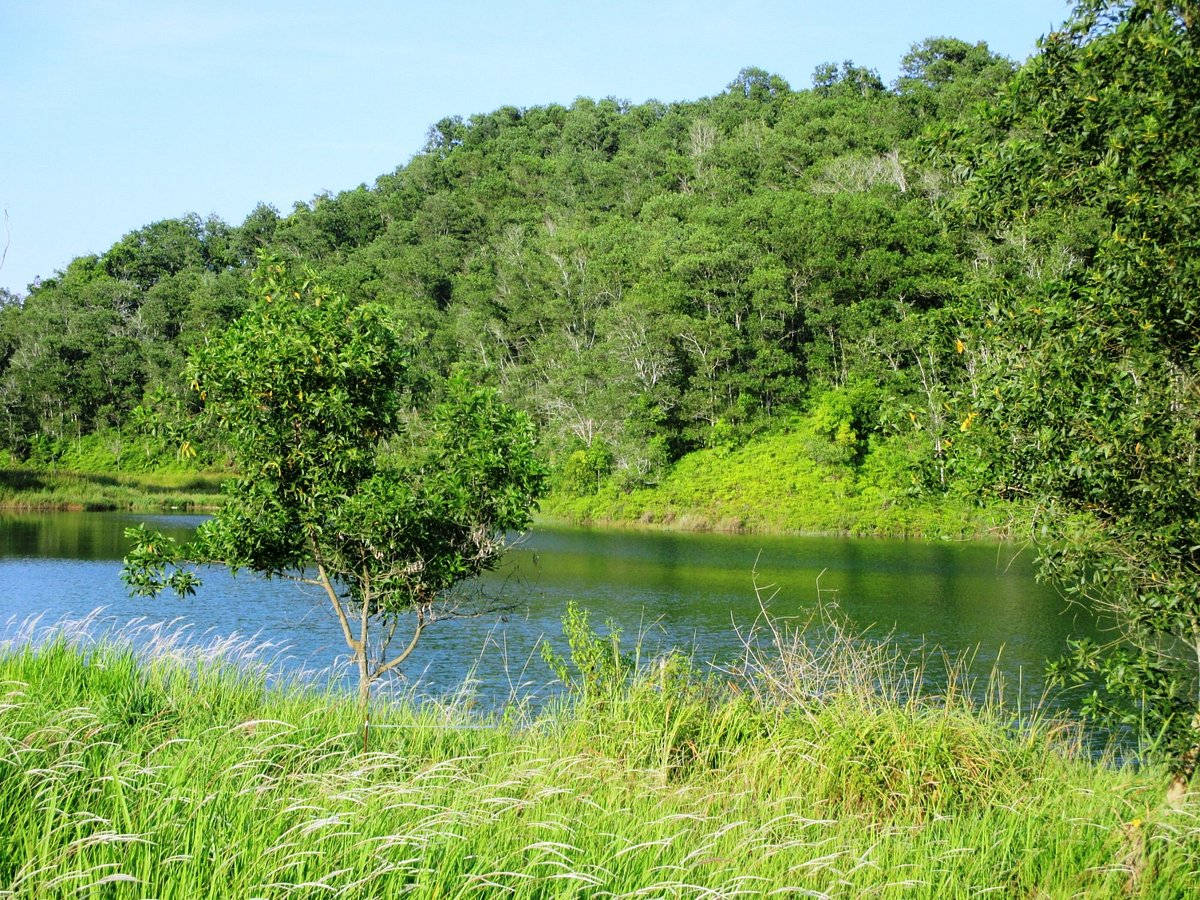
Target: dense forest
644,279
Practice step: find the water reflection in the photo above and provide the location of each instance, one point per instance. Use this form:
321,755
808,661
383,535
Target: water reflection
683,590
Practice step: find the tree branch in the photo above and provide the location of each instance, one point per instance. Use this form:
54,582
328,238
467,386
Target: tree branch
324,582
7,240
300,580
412,645
387,638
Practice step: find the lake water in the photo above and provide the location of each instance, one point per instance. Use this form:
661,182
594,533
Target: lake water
680,590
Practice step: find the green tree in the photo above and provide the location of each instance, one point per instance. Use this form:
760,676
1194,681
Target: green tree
1095,377
941,75
160,249
342,484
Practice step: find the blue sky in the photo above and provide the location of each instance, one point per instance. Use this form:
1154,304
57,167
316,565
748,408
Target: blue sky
116,114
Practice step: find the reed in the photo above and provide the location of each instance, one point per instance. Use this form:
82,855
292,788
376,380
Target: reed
135,766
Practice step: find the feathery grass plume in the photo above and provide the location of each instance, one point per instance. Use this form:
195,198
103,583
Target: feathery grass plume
816,767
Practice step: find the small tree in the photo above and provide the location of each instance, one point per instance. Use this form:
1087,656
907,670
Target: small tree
342,483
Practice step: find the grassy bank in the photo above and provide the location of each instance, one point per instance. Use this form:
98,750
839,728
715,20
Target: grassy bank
33,489
122,776
788,483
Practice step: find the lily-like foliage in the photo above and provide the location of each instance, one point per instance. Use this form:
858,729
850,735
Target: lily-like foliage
348,479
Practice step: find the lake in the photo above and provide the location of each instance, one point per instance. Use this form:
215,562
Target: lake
678,590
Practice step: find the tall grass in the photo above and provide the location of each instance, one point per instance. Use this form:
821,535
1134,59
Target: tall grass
36,489
813,767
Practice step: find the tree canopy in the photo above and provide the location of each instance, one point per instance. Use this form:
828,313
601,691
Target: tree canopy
676,271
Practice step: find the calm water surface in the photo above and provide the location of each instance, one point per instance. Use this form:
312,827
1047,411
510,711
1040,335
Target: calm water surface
687,591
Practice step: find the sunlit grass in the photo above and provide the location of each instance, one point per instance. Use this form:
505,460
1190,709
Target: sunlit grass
774,484
33,489
813,767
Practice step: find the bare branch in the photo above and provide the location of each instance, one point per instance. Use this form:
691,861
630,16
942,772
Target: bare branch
412,645
447,613
299,579
7,240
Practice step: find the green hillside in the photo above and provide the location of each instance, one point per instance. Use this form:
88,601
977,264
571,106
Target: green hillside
645,279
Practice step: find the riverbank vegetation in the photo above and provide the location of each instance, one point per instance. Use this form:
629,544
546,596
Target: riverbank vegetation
31,489
109,471
796,479
813,767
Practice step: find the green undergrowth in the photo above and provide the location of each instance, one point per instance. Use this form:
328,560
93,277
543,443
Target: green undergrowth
809,771
790,482
43,489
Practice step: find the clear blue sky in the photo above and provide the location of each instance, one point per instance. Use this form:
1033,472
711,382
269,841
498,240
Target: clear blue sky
115,114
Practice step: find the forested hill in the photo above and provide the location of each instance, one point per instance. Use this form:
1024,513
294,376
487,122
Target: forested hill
979,282
645,279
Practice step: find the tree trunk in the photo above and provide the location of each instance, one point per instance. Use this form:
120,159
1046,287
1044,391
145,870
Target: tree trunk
1181,779
364,697
364,689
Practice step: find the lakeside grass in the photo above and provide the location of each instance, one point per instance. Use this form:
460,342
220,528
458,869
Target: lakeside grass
29,489
816,769
705,492
792,481
776,484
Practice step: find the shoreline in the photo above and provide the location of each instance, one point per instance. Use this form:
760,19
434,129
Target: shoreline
64,490
1006,534
44,491
27,490
1005,527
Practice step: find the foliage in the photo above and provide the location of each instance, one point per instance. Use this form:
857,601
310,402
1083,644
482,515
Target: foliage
1096,411
656,277
585,469
1133,692
340,482
600,667
796,479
